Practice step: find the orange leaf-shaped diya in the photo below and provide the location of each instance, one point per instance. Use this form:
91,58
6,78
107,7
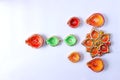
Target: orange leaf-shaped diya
96,20
96,65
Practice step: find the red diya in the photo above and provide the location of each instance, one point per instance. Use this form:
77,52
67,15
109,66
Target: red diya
97,43
96,20
35,41
74,22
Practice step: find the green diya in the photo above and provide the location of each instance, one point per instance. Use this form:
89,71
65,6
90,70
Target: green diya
53,41
70,40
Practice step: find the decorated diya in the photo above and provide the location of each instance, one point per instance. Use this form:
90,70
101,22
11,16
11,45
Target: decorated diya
97,43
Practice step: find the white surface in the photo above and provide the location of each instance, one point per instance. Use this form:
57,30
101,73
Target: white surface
21,19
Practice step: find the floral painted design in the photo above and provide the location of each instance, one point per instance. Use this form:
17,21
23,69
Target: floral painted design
97,43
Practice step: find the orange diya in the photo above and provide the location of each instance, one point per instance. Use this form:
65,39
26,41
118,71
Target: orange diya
105,37
96,20
94,34
97,43
74,57
88,42
96,65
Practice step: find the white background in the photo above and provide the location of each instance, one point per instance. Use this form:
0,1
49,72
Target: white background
21,19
